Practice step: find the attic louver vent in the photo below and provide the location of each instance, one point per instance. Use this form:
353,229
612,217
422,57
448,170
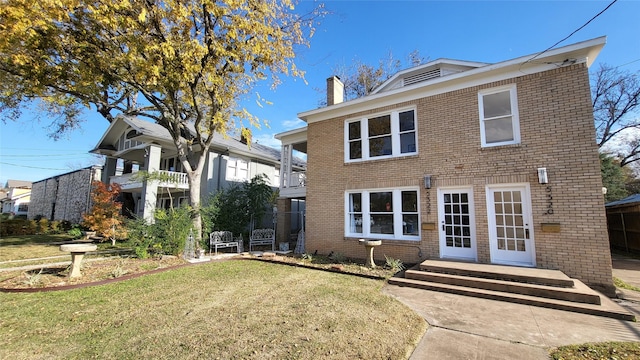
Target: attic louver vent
424,76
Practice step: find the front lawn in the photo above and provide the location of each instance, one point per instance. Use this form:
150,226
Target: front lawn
231,309
20,247
597,351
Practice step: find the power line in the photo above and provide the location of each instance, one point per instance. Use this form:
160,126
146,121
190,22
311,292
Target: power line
30,167
575,31
42,155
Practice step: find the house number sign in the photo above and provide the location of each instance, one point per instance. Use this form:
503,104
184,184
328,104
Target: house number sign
549,201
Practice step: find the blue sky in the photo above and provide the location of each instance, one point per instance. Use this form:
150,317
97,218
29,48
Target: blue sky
483,31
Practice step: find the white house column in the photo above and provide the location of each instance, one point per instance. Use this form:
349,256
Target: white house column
109,169
150,187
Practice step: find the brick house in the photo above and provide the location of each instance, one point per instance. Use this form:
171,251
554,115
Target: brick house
489,163
64,197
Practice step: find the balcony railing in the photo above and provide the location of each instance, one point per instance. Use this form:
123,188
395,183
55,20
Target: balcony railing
296,179
169,179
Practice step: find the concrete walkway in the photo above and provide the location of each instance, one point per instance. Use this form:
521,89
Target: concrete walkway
462,327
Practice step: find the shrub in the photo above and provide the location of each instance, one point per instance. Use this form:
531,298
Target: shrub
75,233
43,226
54,227
17,227
233,208
166,236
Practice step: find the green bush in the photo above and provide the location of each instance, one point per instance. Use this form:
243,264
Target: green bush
233,208
166,236
43,226
75,233
55,227
16,226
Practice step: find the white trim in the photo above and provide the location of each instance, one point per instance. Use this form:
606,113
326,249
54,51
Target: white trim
527,217
515,117
472,222
582,52
366,217
394,118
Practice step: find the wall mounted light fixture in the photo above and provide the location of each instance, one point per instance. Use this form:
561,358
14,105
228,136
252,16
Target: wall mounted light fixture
427,181
543,177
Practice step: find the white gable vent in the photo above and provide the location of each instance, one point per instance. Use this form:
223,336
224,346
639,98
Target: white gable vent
420,77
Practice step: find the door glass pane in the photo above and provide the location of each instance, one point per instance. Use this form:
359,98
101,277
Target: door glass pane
457,220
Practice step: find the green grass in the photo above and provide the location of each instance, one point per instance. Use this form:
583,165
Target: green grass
39,246
597,351
623,285
228,310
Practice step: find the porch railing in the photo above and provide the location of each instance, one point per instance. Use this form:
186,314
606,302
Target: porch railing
170,179
296,179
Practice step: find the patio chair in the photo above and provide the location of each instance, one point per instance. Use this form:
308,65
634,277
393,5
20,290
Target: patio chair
224,239
262,237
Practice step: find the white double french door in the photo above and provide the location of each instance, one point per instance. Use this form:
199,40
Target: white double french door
457,223
510,225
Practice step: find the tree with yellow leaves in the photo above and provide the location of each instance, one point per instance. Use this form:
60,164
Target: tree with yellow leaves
181,63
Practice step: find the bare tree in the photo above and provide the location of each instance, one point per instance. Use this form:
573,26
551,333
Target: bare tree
616,95
361,79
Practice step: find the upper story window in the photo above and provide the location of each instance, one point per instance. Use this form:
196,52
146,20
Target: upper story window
171,164
382,136
382,213
127,140
237,170
499,120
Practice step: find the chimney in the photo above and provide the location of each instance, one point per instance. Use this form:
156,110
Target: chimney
335,91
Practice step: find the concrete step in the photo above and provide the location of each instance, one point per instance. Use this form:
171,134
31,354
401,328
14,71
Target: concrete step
499,272
579,293
607,308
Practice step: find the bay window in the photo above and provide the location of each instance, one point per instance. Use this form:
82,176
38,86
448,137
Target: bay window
381,136
382,213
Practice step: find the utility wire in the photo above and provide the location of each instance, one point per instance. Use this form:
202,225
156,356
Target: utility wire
40,155
575,31
30,167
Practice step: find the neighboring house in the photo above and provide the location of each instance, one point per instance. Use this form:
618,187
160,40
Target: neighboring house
488,163
16,197
64,197
142,145
623,223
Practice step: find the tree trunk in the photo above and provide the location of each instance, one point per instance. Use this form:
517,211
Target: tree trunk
194,200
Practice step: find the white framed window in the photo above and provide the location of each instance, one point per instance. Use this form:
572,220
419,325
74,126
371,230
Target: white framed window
383,214
381,136
499,119
237,170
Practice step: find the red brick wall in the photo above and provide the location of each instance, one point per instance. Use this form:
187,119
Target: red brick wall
557,132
